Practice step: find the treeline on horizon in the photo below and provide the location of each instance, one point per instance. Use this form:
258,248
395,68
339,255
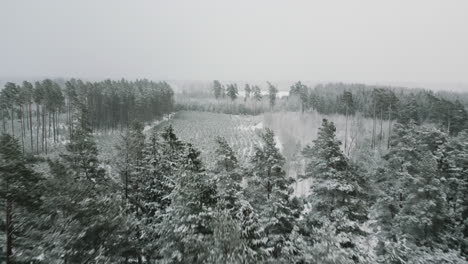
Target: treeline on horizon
39,111
401,104
377,102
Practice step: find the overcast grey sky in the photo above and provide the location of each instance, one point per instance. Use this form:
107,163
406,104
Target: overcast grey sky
349,40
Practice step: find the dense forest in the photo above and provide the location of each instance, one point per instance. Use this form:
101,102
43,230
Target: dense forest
447,109
38,113
406,202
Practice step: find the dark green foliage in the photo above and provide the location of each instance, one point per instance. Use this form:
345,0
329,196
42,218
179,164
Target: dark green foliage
217,89
270,192
232,91
187,224
347,103
82,152
272,91
11,94
257,93
302,92
247,91
88,215
453,164
418,187
21,192
229,177
117,103
237,237
18,180
418,105
338,197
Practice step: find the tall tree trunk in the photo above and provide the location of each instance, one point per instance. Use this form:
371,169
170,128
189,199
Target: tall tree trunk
49,114
57,124
23,131
8,227
26,114
3,121
381,130
389,126
373,129
68,115
448,126
31,128
38,117
346,130
12,122
53,125
44,130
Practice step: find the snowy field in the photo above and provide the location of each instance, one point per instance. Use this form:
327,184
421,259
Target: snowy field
202,128
293,131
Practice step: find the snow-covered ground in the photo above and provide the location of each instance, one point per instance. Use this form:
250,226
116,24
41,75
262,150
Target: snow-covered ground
155,123
258,126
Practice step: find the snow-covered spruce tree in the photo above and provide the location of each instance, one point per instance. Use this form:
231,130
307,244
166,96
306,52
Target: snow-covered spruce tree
392,181
163,158
451,158
87,223
187,223
422,218
409,111
81,156
130,166
337,201
20,190
170,139
236,237
130,157
456,159
228,177
270,192
87,216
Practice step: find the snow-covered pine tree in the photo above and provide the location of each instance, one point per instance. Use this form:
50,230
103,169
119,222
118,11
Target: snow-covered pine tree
457,188
270,192
422,218
82,217
392,181
451,155
163,158
409,110
82,156
236,230
186,228
130,157
86,214
130,165
247,91
20,187
411,208
228,177
338,200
